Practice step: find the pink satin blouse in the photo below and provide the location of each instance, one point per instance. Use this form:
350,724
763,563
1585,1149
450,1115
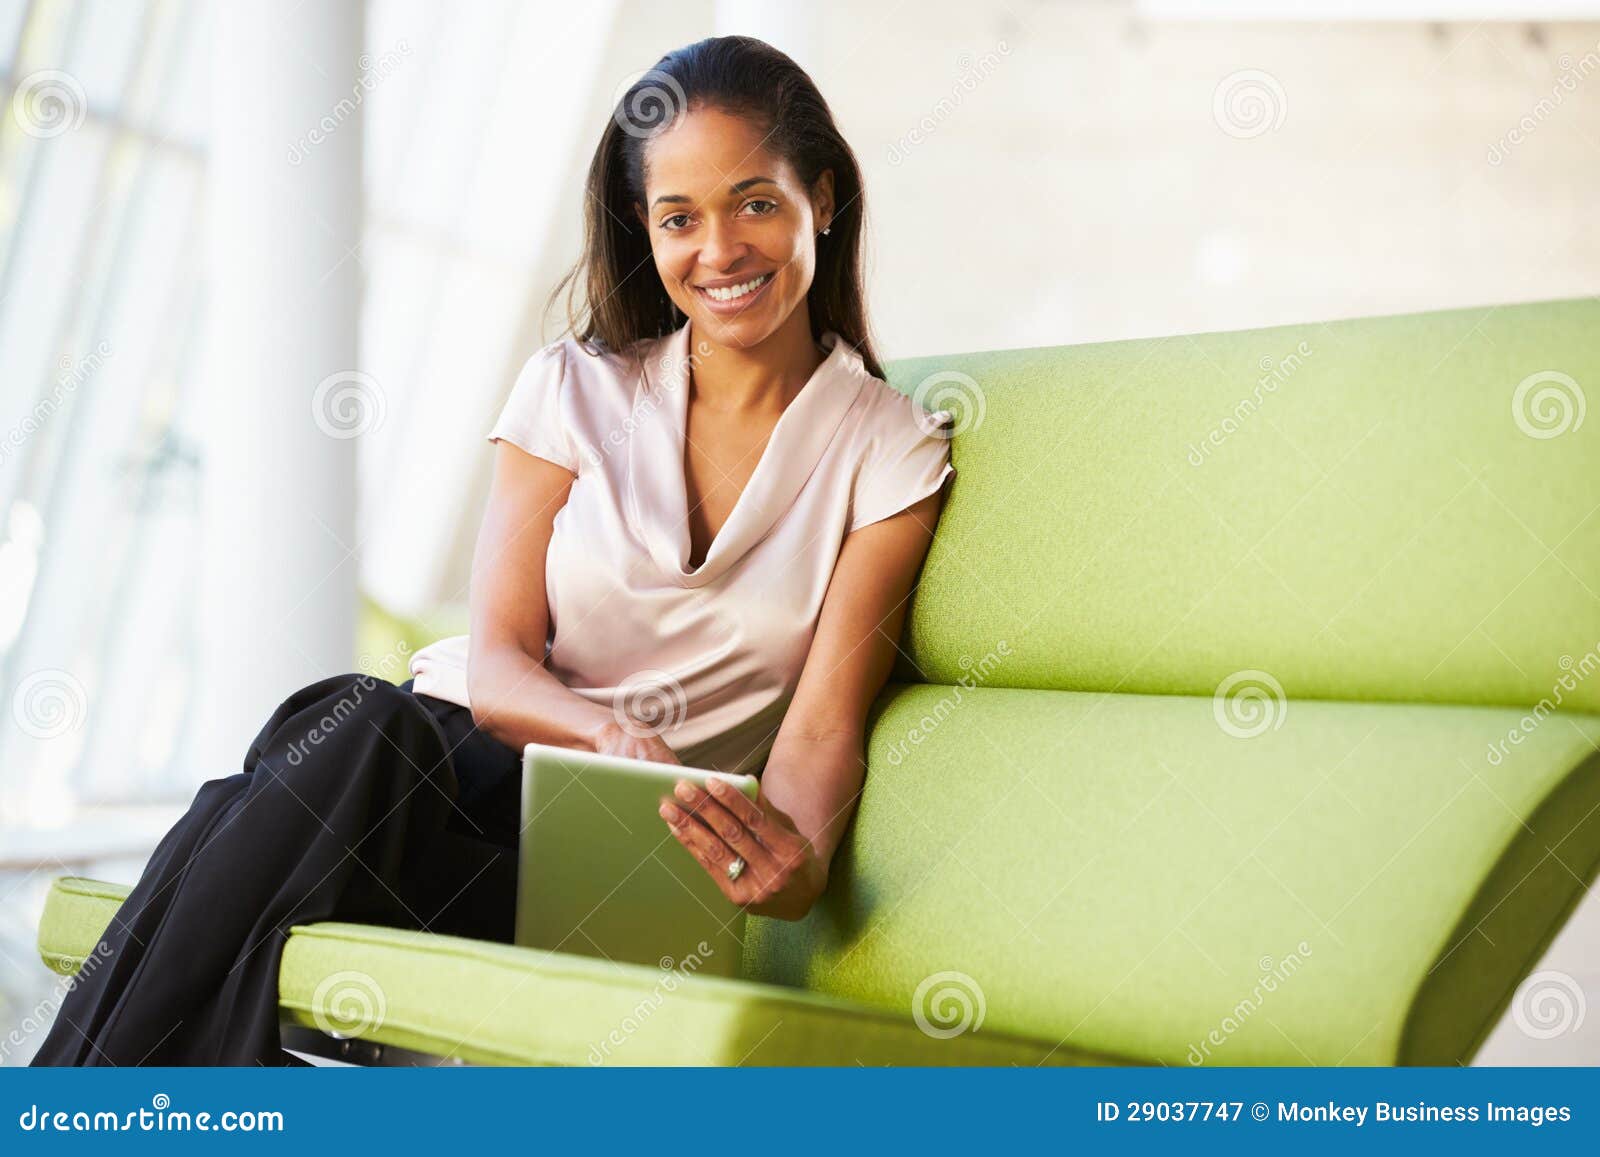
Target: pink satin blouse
707,657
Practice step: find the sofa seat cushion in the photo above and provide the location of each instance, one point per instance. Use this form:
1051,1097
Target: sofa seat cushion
489,1003
1180,880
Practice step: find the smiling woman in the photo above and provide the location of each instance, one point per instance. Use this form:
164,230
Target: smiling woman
743,569
726,591
743,255
722,165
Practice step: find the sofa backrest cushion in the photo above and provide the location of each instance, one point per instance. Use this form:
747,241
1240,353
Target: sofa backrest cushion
1389,508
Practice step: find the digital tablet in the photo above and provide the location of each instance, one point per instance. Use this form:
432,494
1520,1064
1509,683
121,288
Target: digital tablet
602,875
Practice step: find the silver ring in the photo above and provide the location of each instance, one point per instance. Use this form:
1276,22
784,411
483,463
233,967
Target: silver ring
736,867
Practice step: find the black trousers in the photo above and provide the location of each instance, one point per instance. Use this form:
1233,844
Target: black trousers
359,801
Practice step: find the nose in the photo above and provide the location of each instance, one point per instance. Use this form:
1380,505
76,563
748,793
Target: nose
723,248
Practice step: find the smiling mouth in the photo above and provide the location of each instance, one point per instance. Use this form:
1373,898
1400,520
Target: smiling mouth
731,293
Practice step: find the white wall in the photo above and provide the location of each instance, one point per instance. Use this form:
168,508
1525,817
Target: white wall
1085,191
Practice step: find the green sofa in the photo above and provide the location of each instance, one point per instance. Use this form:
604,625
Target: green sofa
1248,712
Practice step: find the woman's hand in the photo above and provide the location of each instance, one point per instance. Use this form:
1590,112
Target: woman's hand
782,876
614,739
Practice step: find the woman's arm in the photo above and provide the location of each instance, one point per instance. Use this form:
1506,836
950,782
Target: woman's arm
817,763
514,696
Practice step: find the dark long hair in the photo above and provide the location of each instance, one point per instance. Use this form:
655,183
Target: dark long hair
622,297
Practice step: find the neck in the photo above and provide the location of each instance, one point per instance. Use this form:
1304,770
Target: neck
762,378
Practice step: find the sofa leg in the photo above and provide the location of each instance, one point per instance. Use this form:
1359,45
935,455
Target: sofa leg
318,1048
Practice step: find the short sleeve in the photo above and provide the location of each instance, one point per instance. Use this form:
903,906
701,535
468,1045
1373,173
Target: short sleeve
533,417
908,461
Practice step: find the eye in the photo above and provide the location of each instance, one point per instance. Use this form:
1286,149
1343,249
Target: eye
668,222
773,206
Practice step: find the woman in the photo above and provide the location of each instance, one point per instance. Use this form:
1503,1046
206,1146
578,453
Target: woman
707,513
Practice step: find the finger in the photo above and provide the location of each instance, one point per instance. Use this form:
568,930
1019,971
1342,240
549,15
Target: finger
774,831
710,852
745,809
711,812
698,838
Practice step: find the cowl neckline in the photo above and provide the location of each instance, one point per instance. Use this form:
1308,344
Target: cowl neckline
658,488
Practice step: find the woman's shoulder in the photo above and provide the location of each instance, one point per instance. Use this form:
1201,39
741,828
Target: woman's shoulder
890,415
594,357
902,452
594,372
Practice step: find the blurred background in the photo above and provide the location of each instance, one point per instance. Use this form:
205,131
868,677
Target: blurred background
268,269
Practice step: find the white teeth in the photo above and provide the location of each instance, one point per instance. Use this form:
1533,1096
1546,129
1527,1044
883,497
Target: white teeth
734,292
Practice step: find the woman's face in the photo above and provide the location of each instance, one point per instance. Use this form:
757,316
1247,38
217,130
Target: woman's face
723,213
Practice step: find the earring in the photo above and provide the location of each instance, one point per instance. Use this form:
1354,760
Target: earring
825,231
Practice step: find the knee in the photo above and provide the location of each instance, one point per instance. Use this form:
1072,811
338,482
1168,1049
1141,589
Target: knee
350,700
367,696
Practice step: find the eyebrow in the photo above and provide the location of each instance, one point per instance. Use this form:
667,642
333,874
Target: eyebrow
680,199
